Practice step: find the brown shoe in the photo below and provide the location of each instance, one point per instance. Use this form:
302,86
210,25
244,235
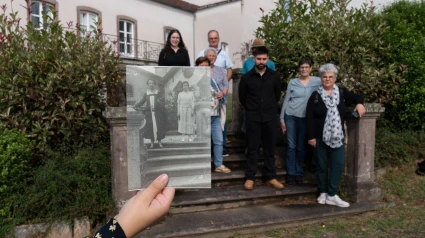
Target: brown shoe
275,184
249,184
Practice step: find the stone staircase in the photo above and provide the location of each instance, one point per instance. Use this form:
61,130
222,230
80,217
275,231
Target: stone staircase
188,164
227,209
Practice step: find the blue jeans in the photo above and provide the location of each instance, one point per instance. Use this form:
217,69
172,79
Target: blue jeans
295,153
217,139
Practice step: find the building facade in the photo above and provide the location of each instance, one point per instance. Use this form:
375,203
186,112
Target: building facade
139,27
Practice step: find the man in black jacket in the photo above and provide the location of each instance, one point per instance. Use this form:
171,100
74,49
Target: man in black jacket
259,93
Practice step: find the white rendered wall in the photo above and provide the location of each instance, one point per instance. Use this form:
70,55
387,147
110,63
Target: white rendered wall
378,3
236,22
151,17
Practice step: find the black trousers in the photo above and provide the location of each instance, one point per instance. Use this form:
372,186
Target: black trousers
258,133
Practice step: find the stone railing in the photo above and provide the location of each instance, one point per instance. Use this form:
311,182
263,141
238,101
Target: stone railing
360,155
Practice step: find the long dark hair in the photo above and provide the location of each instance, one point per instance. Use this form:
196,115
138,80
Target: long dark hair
168,48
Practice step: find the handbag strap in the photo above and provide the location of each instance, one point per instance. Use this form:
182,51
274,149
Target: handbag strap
215,83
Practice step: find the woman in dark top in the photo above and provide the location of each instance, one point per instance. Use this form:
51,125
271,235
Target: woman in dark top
154,113
325,131
174,52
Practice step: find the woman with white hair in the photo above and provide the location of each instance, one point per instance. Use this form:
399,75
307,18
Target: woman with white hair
325,131
219,87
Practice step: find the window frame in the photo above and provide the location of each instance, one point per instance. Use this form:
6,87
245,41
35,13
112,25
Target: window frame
90,10
167,30
134,40
51,3
88,27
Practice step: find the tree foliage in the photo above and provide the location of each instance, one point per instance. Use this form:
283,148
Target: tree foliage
52,81
15,164
330,33
406,36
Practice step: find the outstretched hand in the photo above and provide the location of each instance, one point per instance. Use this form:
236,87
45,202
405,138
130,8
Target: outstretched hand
146,207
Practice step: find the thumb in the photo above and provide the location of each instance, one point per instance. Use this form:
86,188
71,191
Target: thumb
155,187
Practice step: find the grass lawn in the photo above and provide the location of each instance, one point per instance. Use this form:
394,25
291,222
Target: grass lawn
406,218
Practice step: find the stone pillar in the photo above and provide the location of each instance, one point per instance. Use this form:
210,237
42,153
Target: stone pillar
360,155
234,127
136,150
117,119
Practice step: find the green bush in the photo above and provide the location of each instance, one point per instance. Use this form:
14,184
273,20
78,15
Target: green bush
395,147
406,35
52,81
330,33
68,185
15,166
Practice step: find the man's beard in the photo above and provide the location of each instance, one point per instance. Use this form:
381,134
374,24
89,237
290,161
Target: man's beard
260,66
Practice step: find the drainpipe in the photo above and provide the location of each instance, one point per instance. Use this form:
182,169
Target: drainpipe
194,53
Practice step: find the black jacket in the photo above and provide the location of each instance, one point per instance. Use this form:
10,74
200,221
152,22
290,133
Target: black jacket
259,95
179,58
316,111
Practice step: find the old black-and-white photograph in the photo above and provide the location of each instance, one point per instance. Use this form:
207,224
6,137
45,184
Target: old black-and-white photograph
169,127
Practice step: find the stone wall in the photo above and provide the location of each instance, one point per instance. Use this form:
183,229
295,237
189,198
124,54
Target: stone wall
77,229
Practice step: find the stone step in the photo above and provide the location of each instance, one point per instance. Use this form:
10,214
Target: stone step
236,196
238,160
237,177
179,151
184,144
249,220
177,159
180,170
195,181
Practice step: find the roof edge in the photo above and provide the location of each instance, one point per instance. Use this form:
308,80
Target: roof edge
179,4
189,7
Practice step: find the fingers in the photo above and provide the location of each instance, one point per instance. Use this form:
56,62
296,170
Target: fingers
169,193
361,110
164,199
283,125
155,187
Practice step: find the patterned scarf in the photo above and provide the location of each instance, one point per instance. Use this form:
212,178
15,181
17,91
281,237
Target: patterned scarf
332,131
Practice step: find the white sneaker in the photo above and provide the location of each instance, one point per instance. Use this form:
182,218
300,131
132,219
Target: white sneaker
335,200
322,198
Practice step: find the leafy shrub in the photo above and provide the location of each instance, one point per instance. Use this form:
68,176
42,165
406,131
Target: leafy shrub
69,185
395,147
15,164
330,33
52,81
406,35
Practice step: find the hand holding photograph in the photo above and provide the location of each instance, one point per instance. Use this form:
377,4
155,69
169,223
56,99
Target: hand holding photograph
169,126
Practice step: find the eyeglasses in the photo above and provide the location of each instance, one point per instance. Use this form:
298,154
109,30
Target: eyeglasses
215,38
305,67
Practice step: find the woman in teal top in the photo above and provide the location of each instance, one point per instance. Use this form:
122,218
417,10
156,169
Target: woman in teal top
292,118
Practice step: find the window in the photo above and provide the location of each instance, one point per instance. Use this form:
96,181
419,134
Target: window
37,10
166,32
126,34
224,46
88,21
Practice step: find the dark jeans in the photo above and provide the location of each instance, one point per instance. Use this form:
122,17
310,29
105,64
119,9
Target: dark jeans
295,153
337,159
257,133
